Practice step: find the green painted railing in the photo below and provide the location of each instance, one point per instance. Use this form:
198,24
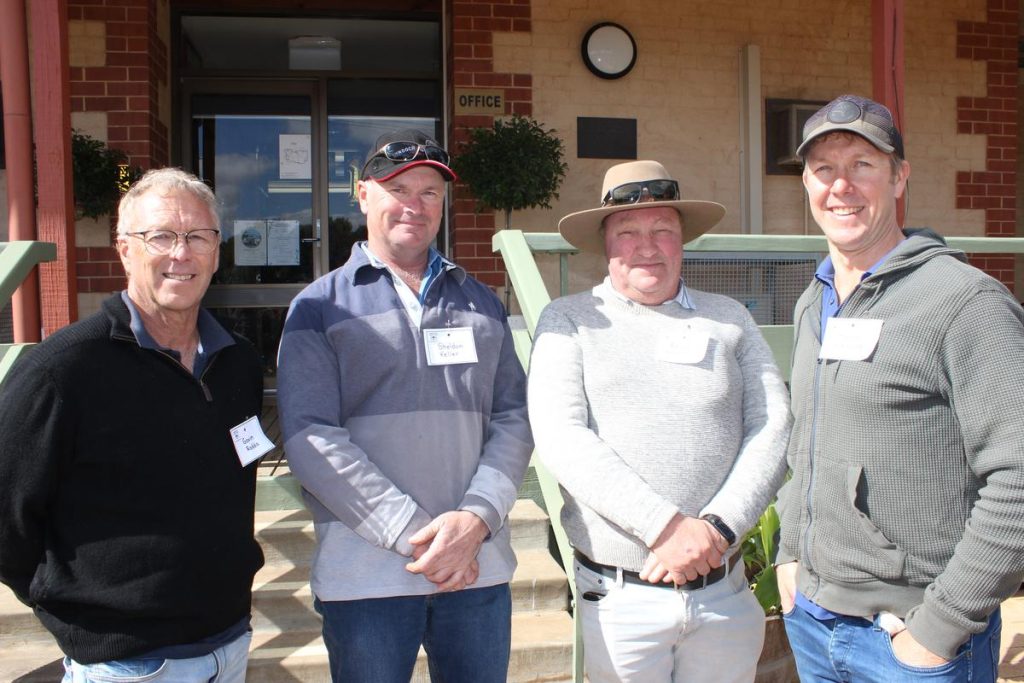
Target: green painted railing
517,249
17,259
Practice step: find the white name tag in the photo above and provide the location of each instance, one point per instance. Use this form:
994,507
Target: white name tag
686,347
850,338
450,346
250,441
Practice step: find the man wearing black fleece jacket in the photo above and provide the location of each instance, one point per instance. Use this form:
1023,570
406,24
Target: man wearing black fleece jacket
126,519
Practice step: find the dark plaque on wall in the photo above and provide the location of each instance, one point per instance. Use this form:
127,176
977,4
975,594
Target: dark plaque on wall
601,138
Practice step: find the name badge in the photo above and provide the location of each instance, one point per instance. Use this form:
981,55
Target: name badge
450,346
250,441
685,348
850,338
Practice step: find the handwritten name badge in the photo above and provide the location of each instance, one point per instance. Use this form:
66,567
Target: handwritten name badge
686,347
450,346
850,338
250,441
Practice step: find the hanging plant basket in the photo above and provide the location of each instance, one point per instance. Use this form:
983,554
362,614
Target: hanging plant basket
100,176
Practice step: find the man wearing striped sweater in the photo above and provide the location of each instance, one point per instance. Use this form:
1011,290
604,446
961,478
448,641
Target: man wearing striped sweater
404,418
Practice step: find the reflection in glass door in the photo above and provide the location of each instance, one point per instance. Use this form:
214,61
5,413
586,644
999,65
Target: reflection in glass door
284,159
261,168
257,150
282,138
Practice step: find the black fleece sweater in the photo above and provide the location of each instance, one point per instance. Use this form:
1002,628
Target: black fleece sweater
126,518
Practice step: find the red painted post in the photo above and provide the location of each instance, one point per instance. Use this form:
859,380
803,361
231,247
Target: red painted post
51,123
887,65
18,145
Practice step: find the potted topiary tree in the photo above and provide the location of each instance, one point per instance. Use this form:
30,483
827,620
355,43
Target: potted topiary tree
515,164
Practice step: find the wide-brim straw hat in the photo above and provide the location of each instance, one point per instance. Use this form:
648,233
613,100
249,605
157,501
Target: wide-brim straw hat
581,228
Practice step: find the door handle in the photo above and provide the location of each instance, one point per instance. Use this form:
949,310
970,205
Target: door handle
316,238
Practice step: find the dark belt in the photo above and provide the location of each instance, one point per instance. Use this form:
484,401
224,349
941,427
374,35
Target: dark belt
712,577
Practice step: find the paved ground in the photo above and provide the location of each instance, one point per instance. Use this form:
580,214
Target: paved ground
1011,659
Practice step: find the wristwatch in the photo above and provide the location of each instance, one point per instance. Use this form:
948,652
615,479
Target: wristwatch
721,527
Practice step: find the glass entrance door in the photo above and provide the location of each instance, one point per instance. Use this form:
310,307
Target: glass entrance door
284,159
258,148
281,135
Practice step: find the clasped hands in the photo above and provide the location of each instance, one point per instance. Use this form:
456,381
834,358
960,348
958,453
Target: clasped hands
687,548
445,550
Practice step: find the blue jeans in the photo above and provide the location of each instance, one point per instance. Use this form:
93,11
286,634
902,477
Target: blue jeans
855,650
467,635
224,665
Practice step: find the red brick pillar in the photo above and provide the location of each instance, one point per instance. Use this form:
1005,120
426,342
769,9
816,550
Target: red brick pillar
473,25
994,189
126,88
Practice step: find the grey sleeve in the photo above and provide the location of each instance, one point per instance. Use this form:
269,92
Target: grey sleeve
983,354
760,464
507,446
590,470
321,453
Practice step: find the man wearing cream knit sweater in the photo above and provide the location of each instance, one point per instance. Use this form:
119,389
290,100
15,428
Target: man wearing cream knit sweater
661,413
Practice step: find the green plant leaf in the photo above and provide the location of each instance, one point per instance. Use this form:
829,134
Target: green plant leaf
98,173
769,531
766,590
516,164
758,553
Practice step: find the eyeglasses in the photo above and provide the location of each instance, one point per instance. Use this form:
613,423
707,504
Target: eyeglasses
409,151
633,193
159,242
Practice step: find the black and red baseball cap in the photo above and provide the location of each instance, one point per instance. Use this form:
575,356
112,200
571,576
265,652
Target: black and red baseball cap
396,152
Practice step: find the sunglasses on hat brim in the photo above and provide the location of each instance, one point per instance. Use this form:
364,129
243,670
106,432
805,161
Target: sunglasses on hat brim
634,193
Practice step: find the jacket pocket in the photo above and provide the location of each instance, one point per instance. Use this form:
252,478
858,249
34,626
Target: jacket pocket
849,547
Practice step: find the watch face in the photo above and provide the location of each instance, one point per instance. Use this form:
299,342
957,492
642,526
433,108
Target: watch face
728,534
609,51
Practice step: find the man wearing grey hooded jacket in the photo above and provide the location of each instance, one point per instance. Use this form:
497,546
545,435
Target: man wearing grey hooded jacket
903,522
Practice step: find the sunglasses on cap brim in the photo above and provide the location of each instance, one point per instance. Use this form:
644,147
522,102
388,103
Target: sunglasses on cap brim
411,151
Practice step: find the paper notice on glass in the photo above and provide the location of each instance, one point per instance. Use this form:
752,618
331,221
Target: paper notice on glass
250,240
294,160
283,243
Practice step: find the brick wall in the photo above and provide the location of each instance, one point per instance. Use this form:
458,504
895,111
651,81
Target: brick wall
960,102
993,189
100,268
683,95
118,66
125,85
474,24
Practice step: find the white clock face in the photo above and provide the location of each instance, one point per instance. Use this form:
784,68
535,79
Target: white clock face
609,50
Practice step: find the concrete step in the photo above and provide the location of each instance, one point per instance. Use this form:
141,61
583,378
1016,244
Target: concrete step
282,597
18,624
287,645
32,662
287,535
541,651
286,627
